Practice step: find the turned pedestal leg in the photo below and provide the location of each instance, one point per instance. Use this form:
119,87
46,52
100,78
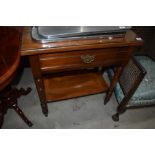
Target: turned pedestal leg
21,114
9,101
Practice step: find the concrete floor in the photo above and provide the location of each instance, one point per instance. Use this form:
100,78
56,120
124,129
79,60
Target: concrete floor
81,113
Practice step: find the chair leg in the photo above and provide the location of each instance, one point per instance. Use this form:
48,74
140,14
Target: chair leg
21,114
121,110
115,117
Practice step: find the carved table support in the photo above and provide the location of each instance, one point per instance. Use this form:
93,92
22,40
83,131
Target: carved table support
9,101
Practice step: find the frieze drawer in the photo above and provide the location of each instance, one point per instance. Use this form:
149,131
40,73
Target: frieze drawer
82,59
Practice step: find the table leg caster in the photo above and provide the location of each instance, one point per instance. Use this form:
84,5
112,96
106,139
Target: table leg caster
115,117
105,101
45,114
29,124
44,109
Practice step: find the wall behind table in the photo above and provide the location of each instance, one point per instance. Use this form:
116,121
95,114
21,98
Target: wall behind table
147,33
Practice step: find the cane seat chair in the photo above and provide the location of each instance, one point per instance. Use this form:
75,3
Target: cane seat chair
136,87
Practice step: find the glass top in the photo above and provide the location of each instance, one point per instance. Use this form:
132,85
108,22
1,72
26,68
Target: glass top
73,31
55,33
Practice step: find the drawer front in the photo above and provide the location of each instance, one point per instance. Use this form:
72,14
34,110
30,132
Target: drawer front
83,59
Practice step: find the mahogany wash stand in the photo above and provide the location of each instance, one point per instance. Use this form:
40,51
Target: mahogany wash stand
68,69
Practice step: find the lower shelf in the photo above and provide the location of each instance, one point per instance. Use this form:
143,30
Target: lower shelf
74,85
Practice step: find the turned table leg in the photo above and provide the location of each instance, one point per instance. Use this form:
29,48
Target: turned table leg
113,83
37,75
41,92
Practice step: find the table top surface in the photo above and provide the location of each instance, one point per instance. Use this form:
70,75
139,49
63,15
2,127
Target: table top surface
31,47
9,53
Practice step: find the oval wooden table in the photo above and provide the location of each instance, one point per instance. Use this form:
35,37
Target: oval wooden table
10,38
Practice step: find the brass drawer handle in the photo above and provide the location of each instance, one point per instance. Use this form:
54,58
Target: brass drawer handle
87,59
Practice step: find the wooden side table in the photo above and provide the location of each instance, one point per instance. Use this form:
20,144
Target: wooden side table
67,69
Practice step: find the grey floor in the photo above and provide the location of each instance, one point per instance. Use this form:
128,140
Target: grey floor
81,113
